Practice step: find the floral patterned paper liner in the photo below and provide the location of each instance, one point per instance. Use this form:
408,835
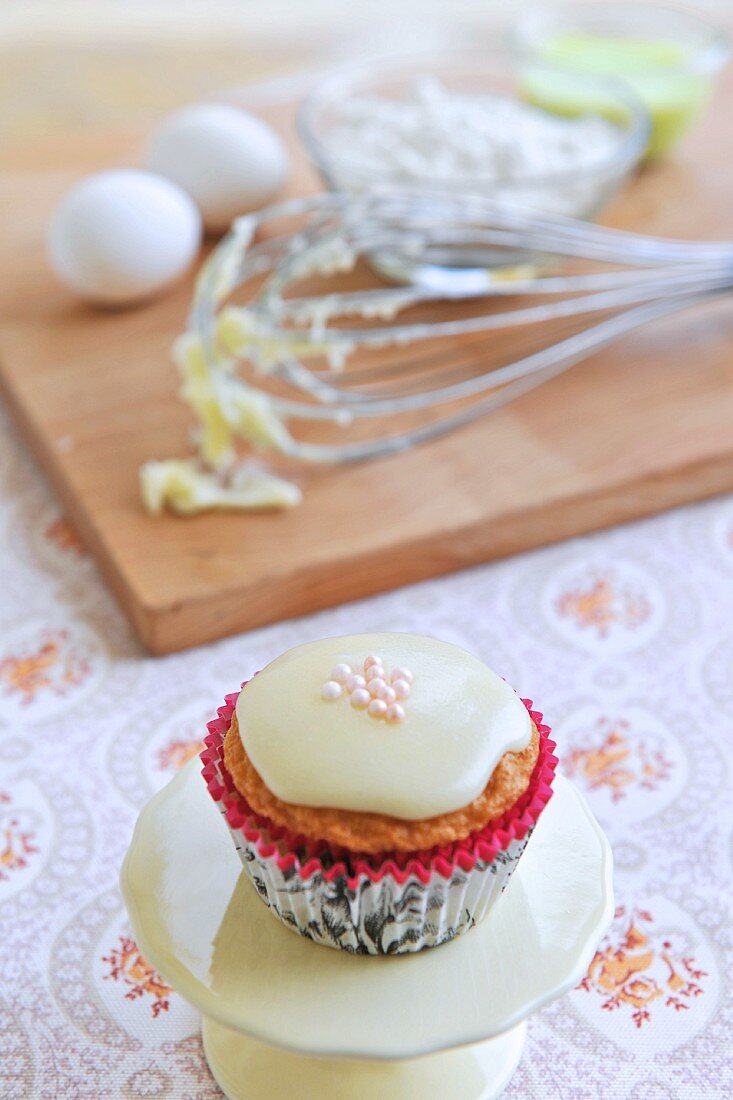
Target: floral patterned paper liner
271,840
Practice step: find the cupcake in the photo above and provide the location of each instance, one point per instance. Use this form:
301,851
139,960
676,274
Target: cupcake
379,788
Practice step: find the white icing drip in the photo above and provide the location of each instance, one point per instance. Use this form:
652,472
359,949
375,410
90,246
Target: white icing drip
429,757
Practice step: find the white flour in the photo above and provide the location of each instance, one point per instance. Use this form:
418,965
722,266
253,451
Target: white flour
437,136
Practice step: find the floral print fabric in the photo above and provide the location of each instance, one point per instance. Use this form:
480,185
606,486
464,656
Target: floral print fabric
627,639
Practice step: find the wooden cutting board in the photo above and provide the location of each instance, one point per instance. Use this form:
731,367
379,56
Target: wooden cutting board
641,427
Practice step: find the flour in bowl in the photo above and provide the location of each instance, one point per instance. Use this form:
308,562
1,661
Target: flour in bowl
439,137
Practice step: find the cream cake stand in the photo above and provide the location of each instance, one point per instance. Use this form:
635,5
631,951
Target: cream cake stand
283,1017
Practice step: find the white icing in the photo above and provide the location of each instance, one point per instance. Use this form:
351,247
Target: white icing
458,722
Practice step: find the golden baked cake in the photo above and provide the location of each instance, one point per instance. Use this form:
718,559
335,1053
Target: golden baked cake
362,831
394,777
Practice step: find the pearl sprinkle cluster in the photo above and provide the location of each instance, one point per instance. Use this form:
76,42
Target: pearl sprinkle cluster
381,696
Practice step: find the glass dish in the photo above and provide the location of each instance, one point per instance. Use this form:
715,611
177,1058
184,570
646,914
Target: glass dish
668,56
576,192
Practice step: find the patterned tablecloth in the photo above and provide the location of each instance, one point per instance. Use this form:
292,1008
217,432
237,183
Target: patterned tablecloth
624,639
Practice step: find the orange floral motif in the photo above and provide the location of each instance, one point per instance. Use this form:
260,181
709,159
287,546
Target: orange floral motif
176,753
60,532
16,843
127,965
634,970
48,665
601,603
617,763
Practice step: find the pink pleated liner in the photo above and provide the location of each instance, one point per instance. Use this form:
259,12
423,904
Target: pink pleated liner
310,857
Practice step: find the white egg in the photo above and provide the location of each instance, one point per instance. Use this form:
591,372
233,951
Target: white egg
228,161
119,237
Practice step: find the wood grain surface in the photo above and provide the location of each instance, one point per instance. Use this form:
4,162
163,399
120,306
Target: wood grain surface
638,428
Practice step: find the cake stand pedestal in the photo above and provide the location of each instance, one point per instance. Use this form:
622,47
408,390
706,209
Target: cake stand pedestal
284,1017
246,1069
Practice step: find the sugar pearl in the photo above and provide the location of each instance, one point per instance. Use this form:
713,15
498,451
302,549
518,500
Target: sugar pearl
354,682
360,698
401,674
339,673
374,671
387,693
395,713
331,690
376,685
372,660
377,708
401,688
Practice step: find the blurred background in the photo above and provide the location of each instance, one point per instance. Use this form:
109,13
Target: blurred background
85,63
622,636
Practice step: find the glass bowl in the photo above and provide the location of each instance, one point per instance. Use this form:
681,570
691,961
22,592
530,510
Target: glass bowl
579,192
668,56
573,192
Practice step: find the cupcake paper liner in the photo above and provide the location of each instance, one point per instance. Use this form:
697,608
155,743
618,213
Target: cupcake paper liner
376,905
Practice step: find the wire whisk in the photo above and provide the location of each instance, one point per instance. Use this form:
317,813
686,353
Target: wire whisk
277,356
